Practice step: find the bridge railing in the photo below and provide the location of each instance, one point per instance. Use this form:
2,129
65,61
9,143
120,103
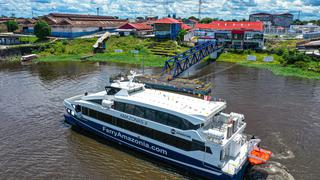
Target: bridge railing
181,62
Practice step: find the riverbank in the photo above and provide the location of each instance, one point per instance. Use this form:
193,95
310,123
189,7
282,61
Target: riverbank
276,67
128,50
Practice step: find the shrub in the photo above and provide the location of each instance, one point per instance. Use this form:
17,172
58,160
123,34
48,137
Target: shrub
42,29
12,25
301,64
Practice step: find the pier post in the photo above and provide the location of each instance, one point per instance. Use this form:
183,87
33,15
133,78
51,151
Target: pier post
214,55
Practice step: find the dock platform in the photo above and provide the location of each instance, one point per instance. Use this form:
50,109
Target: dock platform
194,86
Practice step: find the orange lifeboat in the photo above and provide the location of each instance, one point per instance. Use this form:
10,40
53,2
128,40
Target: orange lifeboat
259,156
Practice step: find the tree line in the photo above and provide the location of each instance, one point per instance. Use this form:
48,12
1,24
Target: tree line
41,29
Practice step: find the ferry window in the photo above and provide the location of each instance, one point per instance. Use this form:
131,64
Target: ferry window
129,109
149,132
112,90
93,113
150,114
208,150
161,117
197,145
119,106
78,108
85,111
174,121
97,101
139,111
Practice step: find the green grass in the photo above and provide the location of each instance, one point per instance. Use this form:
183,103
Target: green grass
275,66
282,44
28,39
59,58
73,50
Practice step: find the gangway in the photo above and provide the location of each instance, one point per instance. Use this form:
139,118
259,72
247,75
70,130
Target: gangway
100,43
174,66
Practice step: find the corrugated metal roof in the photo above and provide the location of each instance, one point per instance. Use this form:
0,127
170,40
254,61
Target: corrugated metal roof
185,27
64,15
138,26
167,21
227,25
79,20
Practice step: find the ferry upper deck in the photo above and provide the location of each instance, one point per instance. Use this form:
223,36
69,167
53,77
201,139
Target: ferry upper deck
196,110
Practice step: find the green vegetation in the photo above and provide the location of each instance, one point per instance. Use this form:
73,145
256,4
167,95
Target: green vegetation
12,25
42,29
28,39
153,53
181,35
281,44
279,66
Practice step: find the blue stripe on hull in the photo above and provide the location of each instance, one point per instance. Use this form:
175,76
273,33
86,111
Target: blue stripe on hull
173,156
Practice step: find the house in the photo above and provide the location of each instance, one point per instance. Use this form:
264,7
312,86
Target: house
238,35
190,22
185,27
75,25
167,28
26,25
137,29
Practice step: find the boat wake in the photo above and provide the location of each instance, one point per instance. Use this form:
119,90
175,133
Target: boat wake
269,171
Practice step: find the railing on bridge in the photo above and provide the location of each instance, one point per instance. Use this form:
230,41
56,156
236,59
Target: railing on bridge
176,65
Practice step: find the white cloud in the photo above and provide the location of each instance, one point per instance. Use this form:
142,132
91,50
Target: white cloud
225,9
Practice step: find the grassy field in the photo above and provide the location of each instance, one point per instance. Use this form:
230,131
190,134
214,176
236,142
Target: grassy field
152,52
281,44
274,66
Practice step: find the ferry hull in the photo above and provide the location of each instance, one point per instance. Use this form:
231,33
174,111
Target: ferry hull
174,158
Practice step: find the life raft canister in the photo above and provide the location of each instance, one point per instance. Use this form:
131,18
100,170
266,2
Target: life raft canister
259,156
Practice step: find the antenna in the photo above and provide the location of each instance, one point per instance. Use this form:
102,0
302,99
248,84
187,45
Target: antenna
199,12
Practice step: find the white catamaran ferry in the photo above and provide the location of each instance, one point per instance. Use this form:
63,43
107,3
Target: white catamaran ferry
188,132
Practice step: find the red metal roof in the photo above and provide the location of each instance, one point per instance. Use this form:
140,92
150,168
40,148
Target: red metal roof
227,25
167,21
138,26
185,27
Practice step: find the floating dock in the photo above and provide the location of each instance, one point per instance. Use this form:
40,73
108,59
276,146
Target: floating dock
195,86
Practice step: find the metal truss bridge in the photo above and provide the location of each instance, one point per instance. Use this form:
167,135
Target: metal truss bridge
174,66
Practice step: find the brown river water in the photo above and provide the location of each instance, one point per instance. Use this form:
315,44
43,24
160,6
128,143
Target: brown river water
36,143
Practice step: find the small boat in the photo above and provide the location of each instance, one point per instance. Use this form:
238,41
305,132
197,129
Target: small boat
28,57
259,156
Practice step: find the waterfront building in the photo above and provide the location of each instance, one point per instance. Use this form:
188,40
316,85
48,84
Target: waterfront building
238,35
273,23
167,28
307,28
311,35
75,25
136,29
26,25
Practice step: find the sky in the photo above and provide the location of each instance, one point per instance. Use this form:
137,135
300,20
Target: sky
222,9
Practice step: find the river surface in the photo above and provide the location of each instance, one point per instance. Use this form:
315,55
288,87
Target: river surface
36,143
